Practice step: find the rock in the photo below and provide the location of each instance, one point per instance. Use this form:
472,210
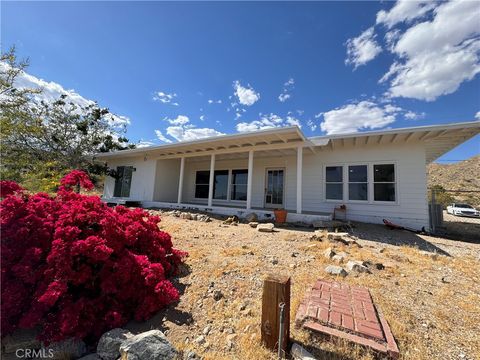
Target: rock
150,345
231,220
340,257
253,224
207,329
194,217
292,266
203,217
21,339
231,337
379,266
336,270
295,254
431,255
268,227
66,349
108,347
191,356
186,216
299,353
329,253
343,237
217,295
357,266
274,261
91,357
200,340
252,217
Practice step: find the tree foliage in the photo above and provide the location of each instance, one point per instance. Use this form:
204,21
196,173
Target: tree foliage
42,140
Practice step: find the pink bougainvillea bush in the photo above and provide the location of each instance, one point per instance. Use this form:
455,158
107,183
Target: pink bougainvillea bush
76,268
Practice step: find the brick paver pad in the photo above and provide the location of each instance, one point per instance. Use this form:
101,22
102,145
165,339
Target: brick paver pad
348,312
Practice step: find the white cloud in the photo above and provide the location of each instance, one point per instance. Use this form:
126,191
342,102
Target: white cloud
287,86
210,101
268,121
179,120
364,115
246,95
477,115
411,115
189,134
311,124
202,117
318,115
183,130
162,137
165,98
404,11
51,92
144,143
362,49
436,56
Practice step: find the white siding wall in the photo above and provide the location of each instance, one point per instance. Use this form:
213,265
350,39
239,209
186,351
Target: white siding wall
410,209
142,179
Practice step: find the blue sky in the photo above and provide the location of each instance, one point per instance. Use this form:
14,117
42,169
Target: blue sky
181,71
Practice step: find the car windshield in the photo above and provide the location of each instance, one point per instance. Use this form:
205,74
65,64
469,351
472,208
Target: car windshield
463,206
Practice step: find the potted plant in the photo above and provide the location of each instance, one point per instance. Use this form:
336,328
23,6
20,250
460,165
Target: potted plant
280,215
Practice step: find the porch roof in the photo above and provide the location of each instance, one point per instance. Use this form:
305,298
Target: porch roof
286,137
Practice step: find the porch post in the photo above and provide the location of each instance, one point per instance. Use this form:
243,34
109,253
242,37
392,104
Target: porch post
299,178
249,179
212,177
180,179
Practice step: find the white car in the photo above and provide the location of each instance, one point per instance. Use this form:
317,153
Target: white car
462,210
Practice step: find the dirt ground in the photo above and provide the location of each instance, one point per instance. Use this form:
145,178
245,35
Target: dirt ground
431,304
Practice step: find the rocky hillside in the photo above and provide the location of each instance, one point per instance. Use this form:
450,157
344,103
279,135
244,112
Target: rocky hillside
463,175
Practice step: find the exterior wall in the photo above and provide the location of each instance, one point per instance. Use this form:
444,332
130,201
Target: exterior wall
158,181
411,207
143,178
166,180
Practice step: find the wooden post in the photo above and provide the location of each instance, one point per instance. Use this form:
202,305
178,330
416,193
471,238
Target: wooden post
276,290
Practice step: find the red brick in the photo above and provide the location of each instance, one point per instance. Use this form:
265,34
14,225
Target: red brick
323,315
371,315
335,318
347,322
368,331
312,311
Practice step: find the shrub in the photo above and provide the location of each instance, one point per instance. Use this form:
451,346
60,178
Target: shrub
77,268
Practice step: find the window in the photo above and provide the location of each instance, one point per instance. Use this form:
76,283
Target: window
334,182
239,185
358,182
384,182
123,181
201,184
220,184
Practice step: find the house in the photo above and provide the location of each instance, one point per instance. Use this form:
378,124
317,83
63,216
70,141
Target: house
376,175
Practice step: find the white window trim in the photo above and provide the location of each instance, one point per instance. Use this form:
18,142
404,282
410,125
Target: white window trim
347,182
370,200
133,172
229,186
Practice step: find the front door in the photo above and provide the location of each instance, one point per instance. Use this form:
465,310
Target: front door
274,188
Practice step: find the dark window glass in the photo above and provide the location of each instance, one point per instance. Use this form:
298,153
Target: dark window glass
220,187
358,191
357,173
202,180
123,182
384,191
334,174
334,191
384,173
239,184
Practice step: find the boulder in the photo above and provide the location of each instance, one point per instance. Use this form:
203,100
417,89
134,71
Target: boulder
329,253
150,345
21,339
108,347
91,357
66,349
357,266
336,270
268,227
186,216
252,217
253,224
340,257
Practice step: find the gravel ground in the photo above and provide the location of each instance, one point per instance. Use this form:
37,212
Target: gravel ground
432,303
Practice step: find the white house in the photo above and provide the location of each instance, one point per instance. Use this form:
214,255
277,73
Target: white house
376,175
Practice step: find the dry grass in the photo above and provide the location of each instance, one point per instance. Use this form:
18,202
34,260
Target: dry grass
429,317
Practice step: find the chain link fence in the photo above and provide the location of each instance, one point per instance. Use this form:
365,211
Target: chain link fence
455,213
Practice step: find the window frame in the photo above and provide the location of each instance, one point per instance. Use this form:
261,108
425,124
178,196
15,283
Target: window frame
370,177
231,185
195,184
342,200
395,183
123,182
348,182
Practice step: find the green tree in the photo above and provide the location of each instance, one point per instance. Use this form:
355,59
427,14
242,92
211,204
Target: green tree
43,140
